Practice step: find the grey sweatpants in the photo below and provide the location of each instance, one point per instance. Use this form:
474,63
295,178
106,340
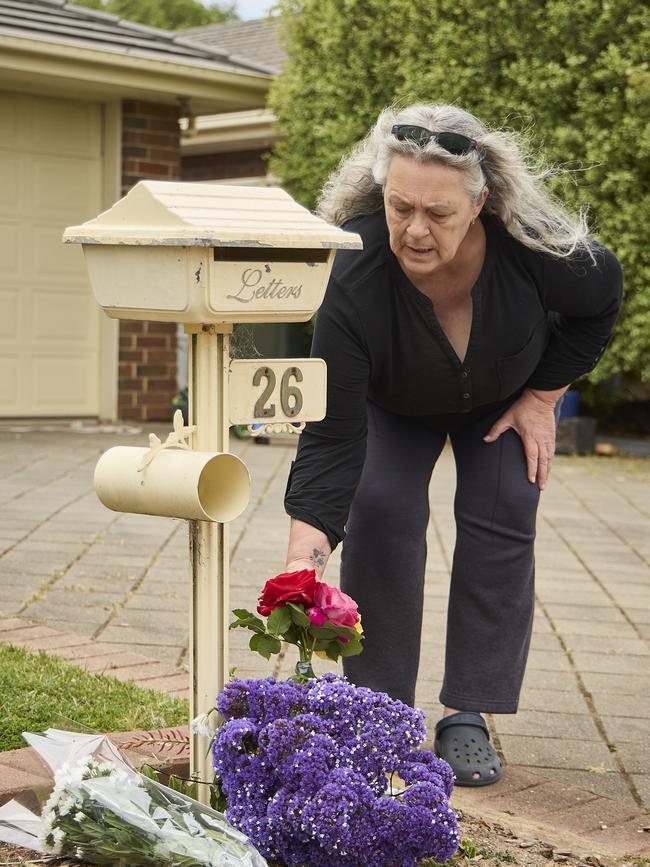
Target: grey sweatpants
491,598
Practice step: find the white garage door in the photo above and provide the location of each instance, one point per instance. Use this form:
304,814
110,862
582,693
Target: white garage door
50,177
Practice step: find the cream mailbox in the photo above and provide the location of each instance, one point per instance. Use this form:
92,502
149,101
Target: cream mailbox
209,256
205,253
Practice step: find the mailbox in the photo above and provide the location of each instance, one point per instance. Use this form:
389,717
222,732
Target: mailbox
209,253
209,256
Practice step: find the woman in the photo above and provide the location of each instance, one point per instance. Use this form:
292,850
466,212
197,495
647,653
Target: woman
474,304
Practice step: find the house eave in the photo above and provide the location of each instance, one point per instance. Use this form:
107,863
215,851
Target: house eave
230,131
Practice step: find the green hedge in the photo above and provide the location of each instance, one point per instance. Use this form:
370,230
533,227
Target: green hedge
572,75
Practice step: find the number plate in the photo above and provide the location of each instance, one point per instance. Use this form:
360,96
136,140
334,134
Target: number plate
277,390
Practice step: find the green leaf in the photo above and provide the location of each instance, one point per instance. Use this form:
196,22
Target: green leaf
147,771
333,650
352,648
256,625
298,614
248,621
325,632
265,645
242,613
217,797
279,620
292,634
347,632
322,643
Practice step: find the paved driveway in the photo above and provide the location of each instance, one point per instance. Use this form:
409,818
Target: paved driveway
67,561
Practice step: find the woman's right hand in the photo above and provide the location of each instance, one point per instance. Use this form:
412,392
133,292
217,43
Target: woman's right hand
532,417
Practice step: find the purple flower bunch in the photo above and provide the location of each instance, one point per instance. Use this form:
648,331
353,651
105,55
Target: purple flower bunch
304,768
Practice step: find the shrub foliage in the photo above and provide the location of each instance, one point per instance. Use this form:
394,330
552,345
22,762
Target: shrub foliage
165,14
572,75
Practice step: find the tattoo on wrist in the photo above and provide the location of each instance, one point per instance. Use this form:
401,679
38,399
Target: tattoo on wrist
318,557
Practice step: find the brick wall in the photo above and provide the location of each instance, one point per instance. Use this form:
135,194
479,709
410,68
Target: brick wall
147,354
242,164
147,370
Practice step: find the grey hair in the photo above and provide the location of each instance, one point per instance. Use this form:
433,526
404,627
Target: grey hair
501,162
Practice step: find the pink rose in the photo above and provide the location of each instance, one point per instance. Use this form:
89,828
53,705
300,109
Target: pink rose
330,604
316,616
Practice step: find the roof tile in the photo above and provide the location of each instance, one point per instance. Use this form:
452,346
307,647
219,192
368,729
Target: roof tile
256,41
60,21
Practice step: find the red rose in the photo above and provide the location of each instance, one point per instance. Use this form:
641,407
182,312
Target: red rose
295,587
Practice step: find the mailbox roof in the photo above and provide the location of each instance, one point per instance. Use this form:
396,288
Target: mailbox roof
166,213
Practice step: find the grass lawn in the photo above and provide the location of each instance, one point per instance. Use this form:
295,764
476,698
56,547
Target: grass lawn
38,691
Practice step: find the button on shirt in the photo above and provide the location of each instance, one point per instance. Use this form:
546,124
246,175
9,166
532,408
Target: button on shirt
537,320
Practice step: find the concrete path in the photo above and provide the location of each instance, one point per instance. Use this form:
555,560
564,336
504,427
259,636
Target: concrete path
69,563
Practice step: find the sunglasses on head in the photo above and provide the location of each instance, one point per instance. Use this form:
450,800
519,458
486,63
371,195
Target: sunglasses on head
453,142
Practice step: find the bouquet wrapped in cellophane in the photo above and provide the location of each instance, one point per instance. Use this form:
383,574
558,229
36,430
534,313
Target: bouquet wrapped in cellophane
102,811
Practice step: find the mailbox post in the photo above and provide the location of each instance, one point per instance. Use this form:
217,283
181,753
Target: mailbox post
209,256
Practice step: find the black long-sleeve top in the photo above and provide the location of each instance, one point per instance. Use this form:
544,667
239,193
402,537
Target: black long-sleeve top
537,321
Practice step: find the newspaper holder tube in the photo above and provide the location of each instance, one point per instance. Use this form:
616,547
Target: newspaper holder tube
197,486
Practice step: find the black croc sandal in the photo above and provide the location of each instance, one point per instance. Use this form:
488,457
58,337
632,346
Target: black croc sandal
463,741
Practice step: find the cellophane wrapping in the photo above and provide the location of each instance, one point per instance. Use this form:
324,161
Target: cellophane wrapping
102,811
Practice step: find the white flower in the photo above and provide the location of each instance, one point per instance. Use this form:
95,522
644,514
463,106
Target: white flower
66,803
205,724
42,839
59,838
110,770
48,818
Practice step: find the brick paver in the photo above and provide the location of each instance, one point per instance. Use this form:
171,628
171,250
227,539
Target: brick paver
68,563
